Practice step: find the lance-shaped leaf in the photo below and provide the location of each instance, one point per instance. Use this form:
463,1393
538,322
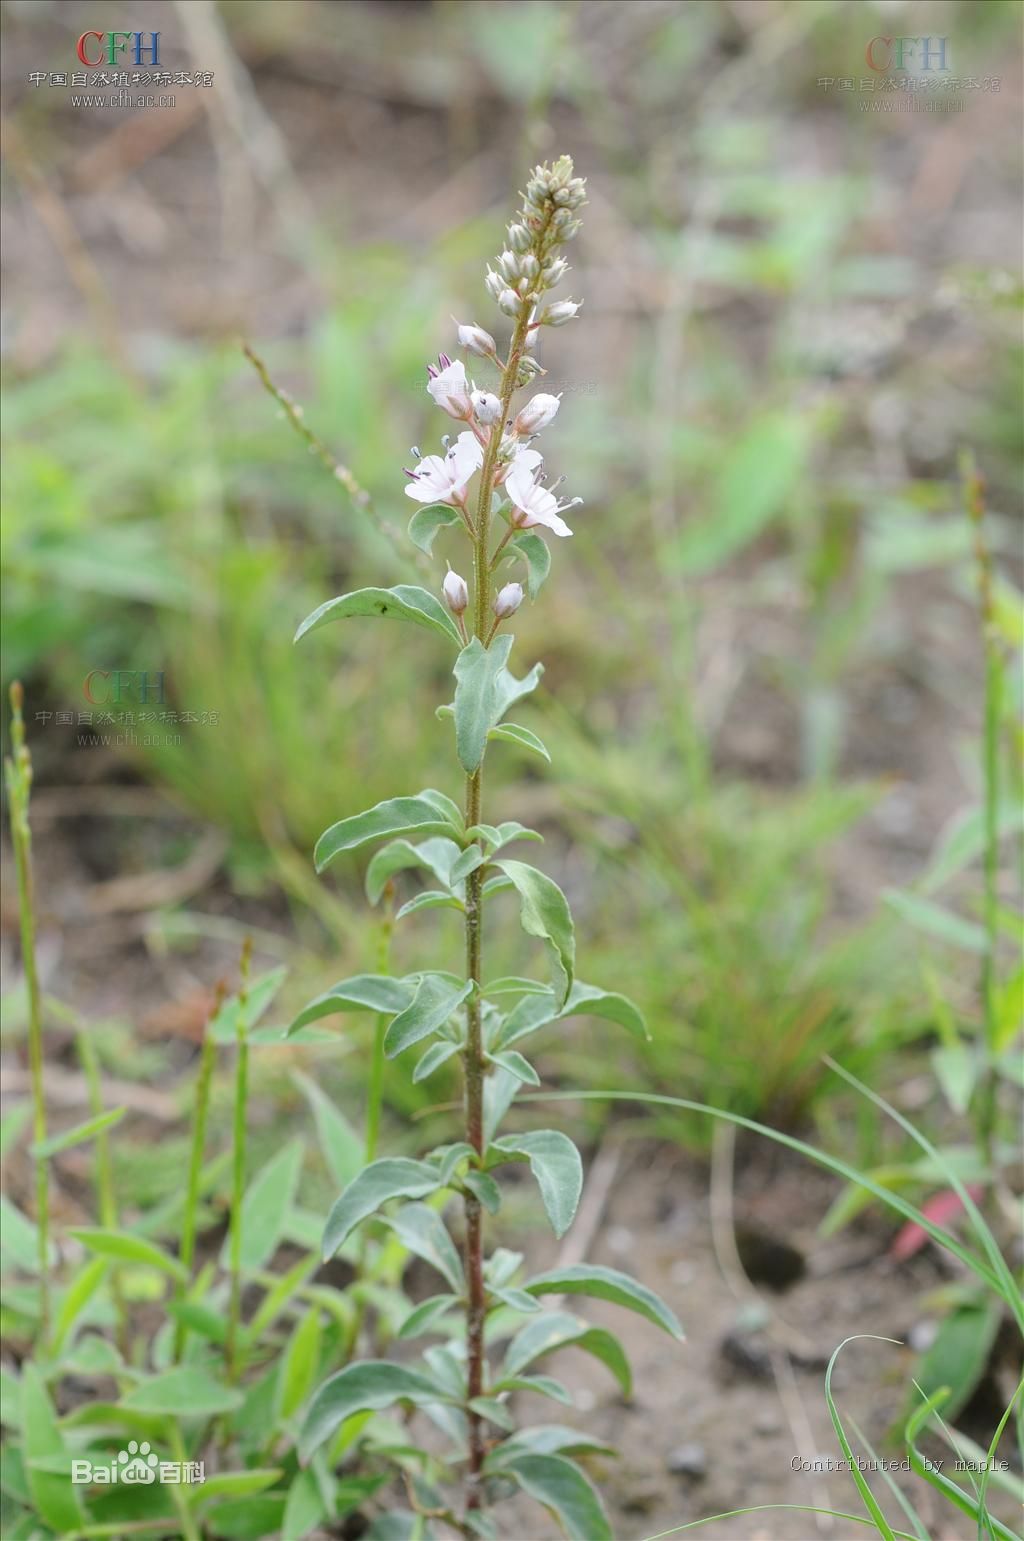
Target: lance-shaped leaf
555,1163
438,855
515,734
606,1284
392,1178
544,912
547,1439
436,998
437,1055
425,523
422,1230
562,1488
495,836
537,1010
407,602
363,992
535,552
430,899
369,1386
427,1315
429,813
477,702
559,1329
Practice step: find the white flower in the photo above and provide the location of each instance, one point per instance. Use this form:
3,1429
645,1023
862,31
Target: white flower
455,592
535,503
508,600
449,387
475,339
442,479
560,312
537,414
486,407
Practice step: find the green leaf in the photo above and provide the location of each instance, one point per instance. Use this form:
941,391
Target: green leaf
234,1484
425,1317
342,1149
19,1239
422,1231
186,1392
435,1000
535,552
510,690
477,710
426,522
437,1055
467,862
126,1248
77,1296
364,992
494,1411
936,921
299,1364
591,1001
198,1318
516,1064
53,1495
407,602
962,842
430,899
544,912
555,1163
305,1507
543,1385
562,1488
606,1284
515,984
266,1206
958,1356
485,1189
558,1329
395,816
437,855
11,1125
392,1178
495,836
366,1387
80,1132
514,734
548,1439
247,1519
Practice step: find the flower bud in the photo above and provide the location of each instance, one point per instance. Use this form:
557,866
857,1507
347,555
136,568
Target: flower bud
508,600
475,339
486,407
510,303
494,284
529,369
554,270
529,266
559,313
519,238
537,414
508,264
455,592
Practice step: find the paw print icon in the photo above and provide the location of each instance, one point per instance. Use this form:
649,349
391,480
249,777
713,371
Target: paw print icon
138,1463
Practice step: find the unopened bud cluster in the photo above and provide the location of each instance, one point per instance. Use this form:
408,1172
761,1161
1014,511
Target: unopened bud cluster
530,263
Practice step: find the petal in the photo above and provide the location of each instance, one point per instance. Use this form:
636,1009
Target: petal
548,518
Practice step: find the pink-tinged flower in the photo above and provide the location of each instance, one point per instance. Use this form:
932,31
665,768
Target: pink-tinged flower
535,503
508,600
456,592
537,414
443,478
449,387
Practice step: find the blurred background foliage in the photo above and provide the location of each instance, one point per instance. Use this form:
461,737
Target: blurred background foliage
761,648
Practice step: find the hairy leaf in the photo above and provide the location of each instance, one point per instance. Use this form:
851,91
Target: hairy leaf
559,1329
394,1177
606,1284
562,1488
369,1386
544,913
425,813
426,522
435,999
407,602
555,1163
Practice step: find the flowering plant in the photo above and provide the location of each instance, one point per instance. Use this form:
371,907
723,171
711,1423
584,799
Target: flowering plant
489,1322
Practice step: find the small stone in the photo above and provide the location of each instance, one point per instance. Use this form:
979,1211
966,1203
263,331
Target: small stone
688,1461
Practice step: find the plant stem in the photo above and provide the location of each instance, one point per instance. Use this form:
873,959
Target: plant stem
187,1250
106,1202
376,1090
18,770
476,1299
974,496
238,1172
